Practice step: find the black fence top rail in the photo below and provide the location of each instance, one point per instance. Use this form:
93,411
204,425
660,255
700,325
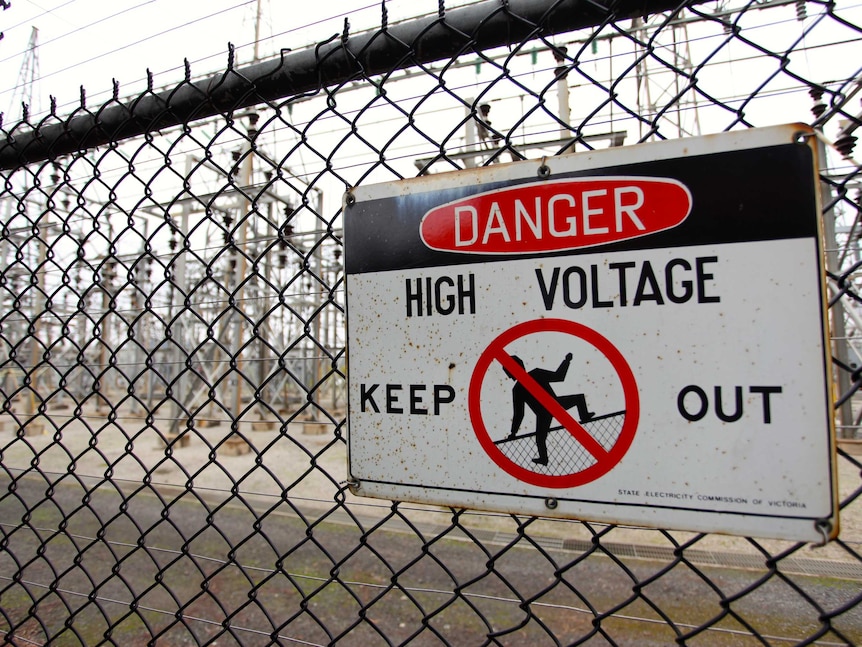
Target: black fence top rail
477,27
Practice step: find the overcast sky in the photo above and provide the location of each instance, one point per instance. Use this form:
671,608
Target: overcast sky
91,42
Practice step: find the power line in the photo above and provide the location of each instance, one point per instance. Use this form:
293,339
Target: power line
115,15
40,8
78,30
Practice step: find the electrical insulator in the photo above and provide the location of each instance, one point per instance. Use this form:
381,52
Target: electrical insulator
819,107
845,145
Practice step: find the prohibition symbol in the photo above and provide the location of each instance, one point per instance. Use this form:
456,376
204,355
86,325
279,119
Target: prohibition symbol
579,449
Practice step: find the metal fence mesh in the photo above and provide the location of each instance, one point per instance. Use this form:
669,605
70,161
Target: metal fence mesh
172,375
566,455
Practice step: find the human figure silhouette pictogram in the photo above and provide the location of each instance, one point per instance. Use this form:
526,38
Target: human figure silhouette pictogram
521,396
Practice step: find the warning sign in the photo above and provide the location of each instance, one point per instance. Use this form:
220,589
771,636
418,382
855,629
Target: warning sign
628,336
561,450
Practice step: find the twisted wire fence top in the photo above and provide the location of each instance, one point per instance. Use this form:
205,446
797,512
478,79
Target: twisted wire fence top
173,365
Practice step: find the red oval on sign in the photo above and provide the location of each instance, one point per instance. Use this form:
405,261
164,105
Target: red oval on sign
556,215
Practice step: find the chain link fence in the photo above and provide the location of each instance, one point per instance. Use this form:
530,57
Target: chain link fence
173,361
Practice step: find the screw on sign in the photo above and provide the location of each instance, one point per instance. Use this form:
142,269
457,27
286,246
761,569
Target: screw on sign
578,449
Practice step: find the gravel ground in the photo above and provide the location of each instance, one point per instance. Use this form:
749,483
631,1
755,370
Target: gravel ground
80,455
130,451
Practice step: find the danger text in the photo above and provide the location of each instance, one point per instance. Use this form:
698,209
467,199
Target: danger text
556,215
597,212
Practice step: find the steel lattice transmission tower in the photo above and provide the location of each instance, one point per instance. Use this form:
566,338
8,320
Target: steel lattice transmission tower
23,94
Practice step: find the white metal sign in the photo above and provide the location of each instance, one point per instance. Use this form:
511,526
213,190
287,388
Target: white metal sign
633,335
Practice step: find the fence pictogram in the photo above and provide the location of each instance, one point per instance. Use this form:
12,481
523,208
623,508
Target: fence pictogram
576,450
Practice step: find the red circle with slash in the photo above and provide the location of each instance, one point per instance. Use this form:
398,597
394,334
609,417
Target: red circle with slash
605,459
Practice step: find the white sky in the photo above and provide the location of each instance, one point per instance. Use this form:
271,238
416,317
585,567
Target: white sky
91,42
